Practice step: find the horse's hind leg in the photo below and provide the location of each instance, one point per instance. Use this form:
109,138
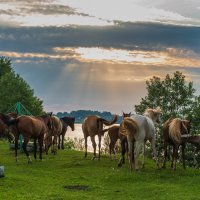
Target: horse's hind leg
59,142
35,149
99,145
85,147
94,146
40,141
123,151
25,149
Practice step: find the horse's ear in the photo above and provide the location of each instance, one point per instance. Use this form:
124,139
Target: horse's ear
123,112
130,113
50,114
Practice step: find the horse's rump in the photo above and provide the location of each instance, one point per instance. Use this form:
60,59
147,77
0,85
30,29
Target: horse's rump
129,127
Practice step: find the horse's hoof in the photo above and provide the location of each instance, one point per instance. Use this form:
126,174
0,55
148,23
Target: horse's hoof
119,165
30,162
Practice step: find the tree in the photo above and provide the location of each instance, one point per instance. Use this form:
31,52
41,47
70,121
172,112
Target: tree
173,94
14,89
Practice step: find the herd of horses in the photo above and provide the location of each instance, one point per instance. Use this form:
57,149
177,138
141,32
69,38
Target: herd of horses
133,132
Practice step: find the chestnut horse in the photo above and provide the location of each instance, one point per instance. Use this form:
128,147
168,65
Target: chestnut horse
173,132
66,121
30,127
93,125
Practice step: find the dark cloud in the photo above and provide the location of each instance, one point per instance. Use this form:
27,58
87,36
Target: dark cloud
140,36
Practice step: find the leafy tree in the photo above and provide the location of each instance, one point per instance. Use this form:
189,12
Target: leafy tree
14,89
173,94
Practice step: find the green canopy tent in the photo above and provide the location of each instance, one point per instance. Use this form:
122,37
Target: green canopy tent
20,110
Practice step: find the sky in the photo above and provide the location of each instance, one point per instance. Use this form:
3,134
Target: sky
98,54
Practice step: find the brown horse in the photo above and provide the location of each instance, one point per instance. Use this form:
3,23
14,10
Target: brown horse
52,136
114,135
173,132
129,128
66,121
29,127
93,125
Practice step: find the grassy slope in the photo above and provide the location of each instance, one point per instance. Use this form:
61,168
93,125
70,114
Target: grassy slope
47,179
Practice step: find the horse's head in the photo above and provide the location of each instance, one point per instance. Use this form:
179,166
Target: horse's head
126,114
154,114
71,123
185,127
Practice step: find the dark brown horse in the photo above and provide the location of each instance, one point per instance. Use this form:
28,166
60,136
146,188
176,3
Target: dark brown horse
29,127
66,121
173,132
93,125
114,135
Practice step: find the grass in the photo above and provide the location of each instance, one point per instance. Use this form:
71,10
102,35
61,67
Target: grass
55,176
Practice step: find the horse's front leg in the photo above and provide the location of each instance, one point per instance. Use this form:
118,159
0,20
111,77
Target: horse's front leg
165,154
16,148
155,154
63,138
85,146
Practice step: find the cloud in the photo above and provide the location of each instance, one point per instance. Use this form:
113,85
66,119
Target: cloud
94,12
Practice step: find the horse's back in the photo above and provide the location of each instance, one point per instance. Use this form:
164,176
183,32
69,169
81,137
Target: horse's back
145,125
31,124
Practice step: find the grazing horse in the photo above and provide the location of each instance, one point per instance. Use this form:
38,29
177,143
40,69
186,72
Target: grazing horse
66,121
93,125
114,135
146,131
30,127
52,136
173,132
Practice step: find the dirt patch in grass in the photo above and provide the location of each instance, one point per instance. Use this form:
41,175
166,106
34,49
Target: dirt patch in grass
76,187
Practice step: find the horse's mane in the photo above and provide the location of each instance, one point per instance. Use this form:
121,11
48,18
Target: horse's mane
175,130
68,119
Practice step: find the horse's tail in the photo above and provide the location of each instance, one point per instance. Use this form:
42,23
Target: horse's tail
175,130
129,127
105,130
108,123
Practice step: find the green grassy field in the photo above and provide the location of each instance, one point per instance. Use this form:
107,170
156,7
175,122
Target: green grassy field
53,177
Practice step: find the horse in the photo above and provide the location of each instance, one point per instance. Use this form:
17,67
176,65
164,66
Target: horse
173,131
114,135
195,140
146,131
52,136
66,121
29,127
93,125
